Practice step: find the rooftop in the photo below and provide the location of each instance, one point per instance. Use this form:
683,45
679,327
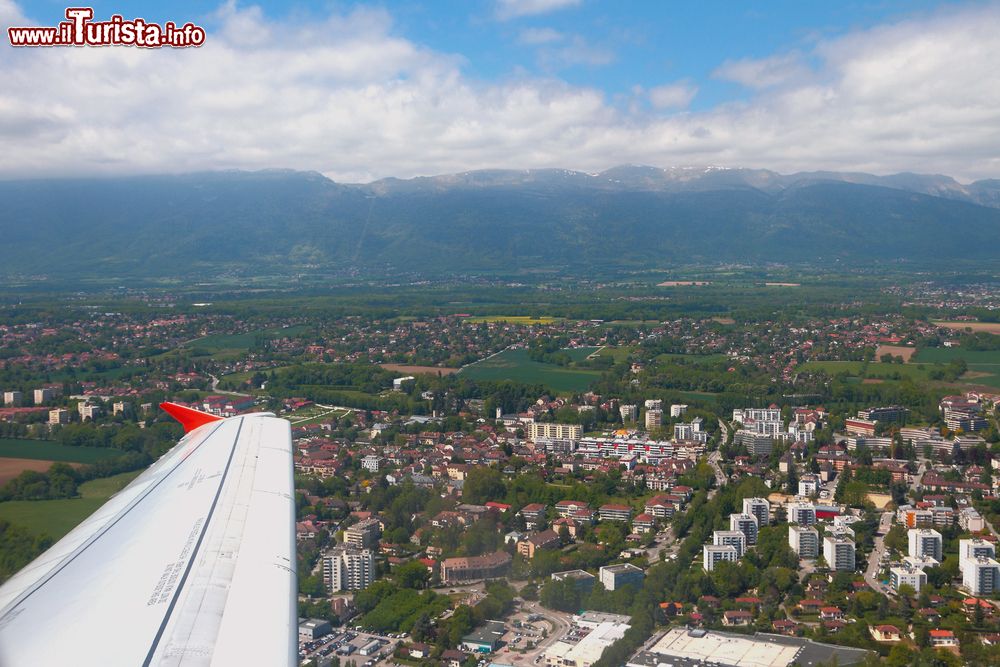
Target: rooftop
686,648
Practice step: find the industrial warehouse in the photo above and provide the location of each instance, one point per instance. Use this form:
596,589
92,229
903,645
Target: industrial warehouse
681,647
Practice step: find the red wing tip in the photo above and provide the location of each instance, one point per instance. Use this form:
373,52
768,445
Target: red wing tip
189,418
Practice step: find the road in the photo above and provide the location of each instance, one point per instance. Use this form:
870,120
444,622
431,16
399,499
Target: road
713,460
885,523
216,390
665,542
875,558
560,623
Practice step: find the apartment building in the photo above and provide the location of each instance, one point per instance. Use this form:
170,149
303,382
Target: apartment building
733,538
713,554
804,540
348,569
364,534
924,542
746,524
839,553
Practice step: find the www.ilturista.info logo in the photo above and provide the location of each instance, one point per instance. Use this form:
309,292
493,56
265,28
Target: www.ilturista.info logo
80,30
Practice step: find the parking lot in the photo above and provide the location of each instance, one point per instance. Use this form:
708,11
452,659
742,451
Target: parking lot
351,644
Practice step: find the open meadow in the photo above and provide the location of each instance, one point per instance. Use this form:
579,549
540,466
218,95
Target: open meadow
55,518
515,365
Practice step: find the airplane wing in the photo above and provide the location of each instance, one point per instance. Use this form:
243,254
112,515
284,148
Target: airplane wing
192,563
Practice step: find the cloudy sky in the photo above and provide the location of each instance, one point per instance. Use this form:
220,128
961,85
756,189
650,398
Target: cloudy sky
364,91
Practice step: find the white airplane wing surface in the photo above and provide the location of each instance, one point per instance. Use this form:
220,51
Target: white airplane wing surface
193,563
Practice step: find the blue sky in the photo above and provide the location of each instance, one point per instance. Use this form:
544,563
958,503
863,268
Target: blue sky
409,88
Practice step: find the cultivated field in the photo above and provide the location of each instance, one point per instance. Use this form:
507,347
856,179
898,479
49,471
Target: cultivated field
989,327
515,365
984,366
55,518
896,351
11,468
415,370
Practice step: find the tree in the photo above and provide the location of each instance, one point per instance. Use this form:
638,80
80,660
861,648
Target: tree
483,484
793,479
412,574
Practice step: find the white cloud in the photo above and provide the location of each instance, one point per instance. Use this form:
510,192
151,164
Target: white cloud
350,98
673,95
539,36
510,9
764,72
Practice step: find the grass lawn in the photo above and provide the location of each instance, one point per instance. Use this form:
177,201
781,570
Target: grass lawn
55,518
516,366
45,450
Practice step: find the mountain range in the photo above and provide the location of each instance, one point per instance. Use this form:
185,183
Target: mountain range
628,217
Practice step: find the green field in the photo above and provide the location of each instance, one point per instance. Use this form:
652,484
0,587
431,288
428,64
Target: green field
619,354
231,346
984,365
55,518
695,358
513,319
44,450
515,365
871,370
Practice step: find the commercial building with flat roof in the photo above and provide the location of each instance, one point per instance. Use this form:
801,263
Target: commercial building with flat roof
583,580
615,576
588,650
484,639
681,647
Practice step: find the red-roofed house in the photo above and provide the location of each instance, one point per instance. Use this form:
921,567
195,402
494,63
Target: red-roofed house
736,617
943,638
886,633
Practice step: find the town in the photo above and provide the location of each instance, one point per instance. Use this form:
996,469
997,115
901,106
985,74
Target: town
528,490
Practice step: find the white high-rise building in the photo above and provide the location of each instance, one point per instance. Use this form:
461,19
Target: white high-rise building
678,409
760,508
746,524
714,554
981,575
629,413
839,553
804,540
653,404
974,548
803,514
903,575
654,419
348,569
808,485
733,538
924,542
